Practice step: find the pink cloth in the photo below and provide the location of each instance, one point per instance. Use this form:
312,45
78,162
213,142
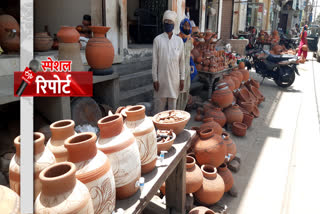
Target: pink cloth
303,41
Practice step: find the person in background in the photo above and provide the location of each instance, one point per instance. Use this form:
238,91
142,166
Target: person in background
84,29
168,66
303,42
297,29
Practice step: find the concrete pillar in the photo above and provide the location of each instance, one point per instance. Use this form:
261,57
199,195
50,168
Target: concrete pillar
202,14
96,12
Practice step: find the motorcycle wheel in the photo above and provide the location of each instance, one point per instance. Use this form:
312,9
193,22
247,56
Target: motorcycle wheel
282,84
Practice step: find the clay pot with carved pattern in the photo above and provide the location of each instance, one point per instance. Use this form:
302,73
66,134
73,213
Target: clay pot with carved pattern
231,146
227,177
233,114
217,115
210,123
222,96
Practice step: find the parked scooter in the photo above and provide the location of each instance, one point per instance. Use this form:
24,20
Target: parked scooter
280,68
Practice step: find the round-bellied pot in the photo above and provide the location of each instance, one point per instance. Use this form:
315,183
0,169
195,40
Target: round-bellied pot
194,175
210,123
247,119
7,22
62,192
231,146
229,81
60,131
212,188
10,201
42,42
222,96
43,158
68,34
239,129
11,42
210,149
247,106
207,107
233,114
201,210
143,129
99,50
93,170
217,114
119,144
245,73
227,177
238,75
236,81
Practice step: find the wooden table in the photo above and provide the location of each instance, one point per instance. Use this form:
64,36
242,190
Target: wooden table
172,171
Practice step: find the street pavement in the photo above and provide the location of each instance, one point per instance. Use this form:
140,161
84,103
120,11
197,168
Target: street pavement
280,165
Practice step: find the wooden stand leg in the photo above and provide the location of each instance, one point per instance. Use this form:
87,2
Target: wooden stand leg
176,188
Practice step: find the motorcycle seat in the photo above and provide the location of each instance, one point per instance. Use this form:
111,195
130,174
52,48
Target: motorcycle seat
280,58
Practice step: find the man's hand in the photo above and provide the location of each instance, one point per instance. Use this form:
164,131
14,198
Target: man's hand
181,85
156,86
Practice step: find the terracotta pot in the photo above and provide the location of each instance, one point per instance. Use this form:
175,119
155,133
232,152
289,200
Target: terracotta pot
198,117
212,69
233,114
167,145
217,114
199,67
60,131
7,22
223,96
205,68
236,81
11,44
195,52
198,59
255,91
244,110
210,149
143,129
238,75
247,105
207,107
239,129
10,201
231,146
256,112
201,210
230,82
93,170
242,65
194,176
212,188
247,119
210,123
71,51
119,144
227,177
68,35
255,83
42,159
244,95
245,74
61,192
42,42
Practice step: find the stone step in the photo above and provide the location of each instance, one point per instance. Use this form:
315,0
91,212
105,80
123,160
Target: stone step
145,63
141,94
135,80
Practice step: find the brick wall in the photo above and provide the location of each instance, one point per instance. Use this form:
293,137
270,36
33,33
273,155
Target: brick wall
226,19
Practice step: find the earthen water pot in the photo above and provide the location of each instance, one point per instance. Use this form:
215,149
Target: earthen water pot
233,114
217,115
227,177
11,43
210,149
236,81
229,81
99,50
93,170
68,35
62,192
194,175
143,129
210,123
207,107
212,188
10,200
245,74
237,74
222,96
121,147
231,146
42,42
7,22
239,129
247,119
43,158
201,210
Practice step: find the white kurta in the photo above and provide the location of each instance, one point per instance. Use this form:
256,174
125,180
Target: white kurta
168,66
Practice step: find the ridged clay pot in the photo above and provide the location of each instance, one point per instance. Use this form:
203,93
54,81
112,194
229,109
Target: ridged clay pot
239,129
42,42
60,131
194,175
212,188
231,146
68,34
93,170
233,114
222,96
210,123
143,129
201,210
9,201
42,158
217,114
119,144
227,177
247,119
210,149
61,192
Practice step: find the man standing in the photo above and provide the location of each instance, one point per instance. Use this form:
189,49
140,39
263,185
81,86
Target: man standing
168,66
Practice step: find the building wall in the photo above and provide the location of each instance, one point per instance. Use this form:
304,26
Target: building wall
132,6
226,21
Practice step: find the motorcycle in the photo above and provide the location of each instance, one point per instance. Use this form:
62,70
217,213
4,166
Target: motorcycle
289,43
280,68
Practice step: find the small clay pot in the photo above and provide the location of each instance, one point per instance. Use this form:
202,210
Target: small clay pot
42,42
247,119
227,177
217,114
68,35
239,129
247,105
233,114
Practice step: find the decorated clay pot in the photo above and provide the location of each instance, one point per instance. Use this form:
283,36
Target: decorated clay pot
10,201
43,158
42,42
7,22
247,119
210,149
222,96
143,129
119,144
68,35
93,170
60,131
212,188
201,210
231,146
217,114
227,177
239,129
99,50
210,123
194,176
62,192
245,74
233,114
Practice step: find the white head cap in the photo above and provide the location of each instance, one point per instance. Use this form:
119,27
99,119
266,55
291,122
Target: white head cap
170,15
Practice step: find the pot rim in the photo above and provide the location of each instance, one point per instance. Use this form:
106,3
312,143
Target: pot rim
240,125
58,124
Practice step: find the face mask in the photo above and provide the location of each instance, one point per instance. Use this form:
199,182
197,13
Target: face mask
186,32
168,27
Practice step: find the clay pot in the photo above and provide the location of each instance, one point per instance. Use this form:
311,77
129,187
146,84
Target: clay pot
43,158
247,106
201,210
242,65
194,176
198,117
236,81
244,95
7,22
11,42
167,145
143,130
230,82
60,131
93,170
255,91
210,123
212,188
42,42
61,192
245,74
233,114
71,51
210,149
199,67
231,146
99,50
205,68
222,96
244,110
212,69
255,111
239,129
217,114
198,59
238,75
227,177
68,35
195,52
119,144
10,201
255,83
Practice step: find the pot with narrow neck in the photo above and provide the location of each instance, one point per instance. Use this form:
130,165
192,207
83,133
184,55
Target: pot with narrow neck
227,177
231,146
194,176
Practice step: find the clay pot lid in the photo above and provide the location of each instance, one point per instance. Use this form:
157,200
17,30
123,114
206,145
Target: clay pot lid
209,171
240,125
